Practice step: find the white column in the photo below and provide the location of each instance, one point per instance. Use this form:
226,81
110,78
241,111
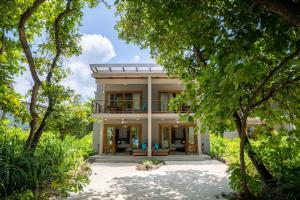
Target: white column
102,97
149,116
199,138
101,137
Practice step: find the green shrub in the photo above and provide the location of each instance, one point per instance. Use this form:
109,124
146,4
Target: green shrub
217,147
56,167
279,152
148,164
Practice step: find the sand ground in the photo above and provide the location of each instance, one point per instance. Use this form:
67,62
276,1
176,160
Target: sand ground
176,180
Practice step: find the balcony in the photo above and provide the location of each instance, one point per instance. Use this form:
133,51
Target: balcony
130,106
119,106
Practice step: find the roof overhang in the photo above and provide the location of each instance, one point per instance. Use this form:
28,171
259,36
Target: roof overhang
110,71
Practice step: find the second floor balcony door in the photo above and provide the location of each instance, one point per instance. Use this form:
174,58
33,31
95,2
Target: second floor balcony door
164,100
123,102
114,102
132,102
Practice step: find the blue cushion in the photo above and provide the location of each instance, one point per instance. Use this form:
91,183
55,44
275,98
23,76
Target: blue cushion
144,146
156,146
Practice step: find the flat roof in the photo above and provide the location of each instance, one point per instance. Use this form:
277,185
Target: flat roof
127,68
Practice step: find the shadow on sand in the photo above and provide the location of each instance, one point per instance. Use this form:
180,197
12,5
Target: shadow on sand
181,184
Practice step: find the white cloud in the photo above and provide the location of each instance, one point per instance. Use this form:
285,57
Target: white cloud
95,49
23,83
136,59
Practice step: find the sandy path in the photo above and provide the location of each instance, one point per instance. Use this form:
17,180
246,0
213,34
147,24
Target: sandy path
176,180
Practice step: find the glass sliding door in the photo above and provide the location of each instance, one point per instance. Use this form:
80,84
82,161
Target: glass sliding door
178,138
121,138
128,102
164,101
191,135
165,139
191,144
136,101
123,101
114,102
109,142
135,137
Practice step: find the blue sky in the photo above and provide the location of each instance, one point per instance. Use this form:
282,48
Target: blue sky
100,44
102,20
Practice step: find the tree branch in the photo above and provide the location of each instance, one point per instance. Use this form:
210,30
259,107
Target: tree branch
273,72
22,37
273,92
198,55
289,10
57,39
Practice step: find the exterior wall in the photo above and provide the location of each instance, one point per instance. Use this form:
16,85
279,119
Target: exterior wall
231,135
205,140
96,136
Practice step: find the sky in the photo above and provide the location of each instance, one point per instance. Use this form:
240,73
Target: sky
100,44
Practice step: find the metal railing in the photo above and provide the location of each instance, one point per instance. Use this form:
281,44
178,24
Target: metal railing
129,106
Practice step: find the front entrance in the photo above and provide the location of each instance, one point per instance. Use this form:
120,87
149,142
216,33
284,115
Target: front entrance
121,138
178,138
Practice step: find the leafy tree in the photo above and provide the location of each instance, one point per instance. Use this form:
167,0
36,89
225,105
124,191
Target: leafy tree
10,59
47,33
71,118
237,61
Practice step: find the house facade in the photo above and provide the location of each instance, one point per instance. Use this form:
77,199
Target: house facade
133,116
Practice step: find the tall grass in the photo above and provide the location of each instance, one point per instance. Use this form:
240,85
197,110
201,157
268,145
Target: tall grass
56,167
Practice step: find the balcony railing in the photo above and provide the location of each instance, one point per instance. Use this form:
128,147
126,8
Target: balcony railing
129,106
159,106
119,106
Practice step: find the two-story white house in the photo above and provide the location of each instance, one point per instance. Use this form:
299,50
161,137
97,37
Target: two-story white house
133,116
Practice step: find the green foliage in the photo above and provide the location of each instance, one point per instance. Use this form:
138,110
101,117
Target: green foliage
71,118
56,167
149,164
281,154
217,147
10,101
234,58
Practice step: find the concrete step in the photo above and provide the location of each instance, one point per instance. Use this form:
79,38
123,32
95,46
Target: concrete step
135,159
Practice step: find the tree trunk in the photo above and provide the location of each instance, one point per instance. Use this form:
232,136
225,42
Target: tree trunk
38,133
242,159
33,113
241,127
265,175
32,67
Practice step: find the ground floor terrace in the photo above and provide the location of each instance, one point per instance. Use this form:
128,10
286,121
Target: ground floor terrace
134,137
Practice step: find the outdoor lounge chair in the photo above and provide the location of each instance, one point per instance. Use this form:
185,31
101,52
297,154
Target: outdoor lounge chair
160,152
139,152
